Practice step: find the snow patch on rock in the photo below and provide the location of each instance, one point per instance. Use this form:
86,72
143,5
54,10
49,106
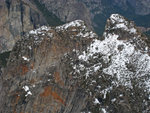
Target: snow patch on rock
96,101
126,63
25,58
40,30
26,89
76,23
121,23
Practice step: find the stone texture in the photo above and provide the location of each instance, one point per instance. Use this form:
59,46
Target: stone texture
68,10
20,16
17,17
68,69
46,73
95,12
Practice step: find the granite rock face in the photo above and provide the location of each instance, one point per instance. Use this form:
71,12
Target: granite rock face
68,10
95,12
68,69
20,16
41,75
17,17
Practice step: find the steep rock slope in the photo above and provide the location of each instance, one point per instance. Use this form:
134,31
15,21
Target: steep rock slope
20,16
95,12
68,10
41,77
17,17
67,69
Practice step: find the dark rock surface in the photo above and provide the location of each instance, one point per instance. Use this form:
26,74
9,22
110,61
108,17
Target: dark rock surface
95,12
67,69
20,16
37,63
68,10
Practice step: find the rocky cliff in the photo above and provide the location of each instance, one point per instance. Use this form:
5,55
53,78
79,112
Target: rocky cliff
68,69
68,10
17,17
20,16
95,12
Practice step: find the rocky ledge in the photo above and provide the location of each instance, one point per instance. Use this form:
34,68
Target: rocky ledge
69,69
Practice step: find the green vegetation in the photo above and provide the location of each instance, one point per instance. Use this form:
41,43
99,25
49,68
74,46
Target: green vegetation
52,19
3,58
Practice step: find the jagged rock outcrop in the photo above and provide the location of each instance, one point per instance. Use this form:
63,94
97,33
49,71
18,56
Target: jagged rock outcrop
68,69
95,12
20,16
17,17
42,82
